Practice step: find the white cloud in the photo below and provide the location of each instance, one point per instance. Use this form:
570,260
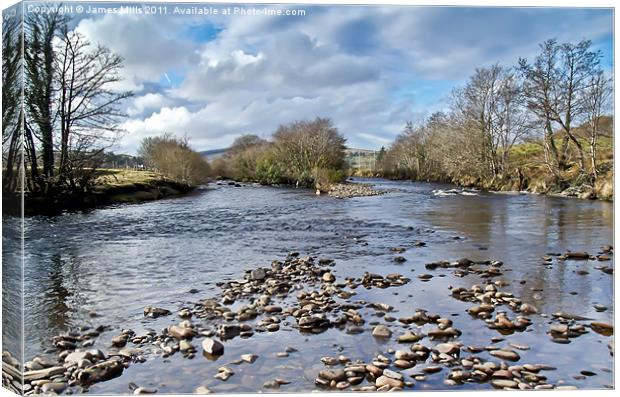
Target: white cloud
148,102
357,65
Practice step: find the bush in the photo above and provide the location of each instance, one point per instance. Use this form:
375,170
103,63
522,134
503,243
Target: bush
172,157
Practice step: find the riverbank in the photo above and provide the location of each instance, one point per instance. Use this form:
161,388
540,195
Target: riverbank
539,183
530,182
110,187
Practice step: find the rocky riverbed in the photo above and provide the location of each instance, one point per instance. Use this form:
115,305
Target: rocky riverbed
306,295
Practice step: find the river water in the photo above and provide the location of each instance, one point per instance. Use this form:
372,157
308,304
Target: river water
102,267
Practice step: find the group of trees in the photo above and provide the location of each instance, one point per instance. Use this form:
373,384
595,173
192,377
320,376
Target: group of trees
302,153
173,158
70,110
557,100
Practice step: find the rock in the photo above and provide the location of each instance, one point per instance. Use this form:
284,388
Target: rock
55,387
76,356
258,274
229,331
504,383
43,373
505,354
155,312
558,328
399,259
519,346
602,328
271,384
333,375
202,390
405,355
577,255
373,369
185,346
381,331
179,332
212,347
447,348
528,309
119,341
328,277
403,364
144,390
102,371
391,374
600,308
272,309
223,376
409,337
249,358
387,381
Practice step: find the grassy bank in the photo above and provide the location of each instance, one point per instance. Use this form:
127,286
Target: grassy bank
110,187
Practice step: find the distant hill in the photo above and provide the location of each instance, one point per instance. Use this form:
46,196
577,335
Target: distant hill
213,153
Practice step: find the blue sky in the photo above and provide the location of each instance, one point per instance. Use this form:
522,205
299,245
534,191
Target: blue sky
369,68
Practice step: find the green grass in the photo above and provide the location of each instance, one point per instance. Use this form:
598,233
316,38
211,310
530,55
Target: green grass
112,177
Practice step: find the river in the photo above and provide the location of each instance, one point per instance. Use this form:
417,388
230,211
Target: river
102,267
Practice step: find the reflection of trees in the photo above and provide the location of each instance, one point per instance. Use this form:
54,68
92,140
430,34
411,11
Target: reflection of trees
12,289
54,295
519,230
57,295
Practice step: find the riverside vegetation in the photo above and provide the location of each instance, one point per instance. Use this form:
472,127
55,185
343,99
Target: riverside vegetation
540,126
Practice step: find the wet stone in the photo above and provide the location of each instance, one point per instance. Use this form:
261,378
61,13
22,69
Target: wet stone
504,383
381,331
212,347
504,354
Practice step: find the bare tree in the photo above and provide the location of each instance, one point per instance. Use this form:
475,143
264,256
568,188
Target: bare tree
596,101
556,85
39,56
305,147
88,107
12,83
491,109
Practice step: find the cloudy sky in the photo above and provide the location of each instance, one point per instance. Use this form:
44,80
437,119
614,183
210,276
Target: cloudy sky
369,68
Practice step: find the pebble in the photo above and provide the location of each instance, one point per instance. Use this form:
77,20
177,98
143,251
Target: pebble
249,358
212,347
381,331
504,383
505,354
144,390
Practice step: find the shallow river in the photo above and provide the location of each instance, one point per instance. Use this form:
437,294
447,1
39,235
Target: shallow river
104,266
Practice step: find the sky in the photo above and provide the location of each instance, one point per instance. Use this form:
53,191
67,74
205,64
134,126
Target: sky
368,68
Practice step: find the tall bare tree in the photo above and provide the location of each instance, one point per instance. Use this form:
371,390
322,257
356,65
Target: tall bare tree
88,112
596,101
39,56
